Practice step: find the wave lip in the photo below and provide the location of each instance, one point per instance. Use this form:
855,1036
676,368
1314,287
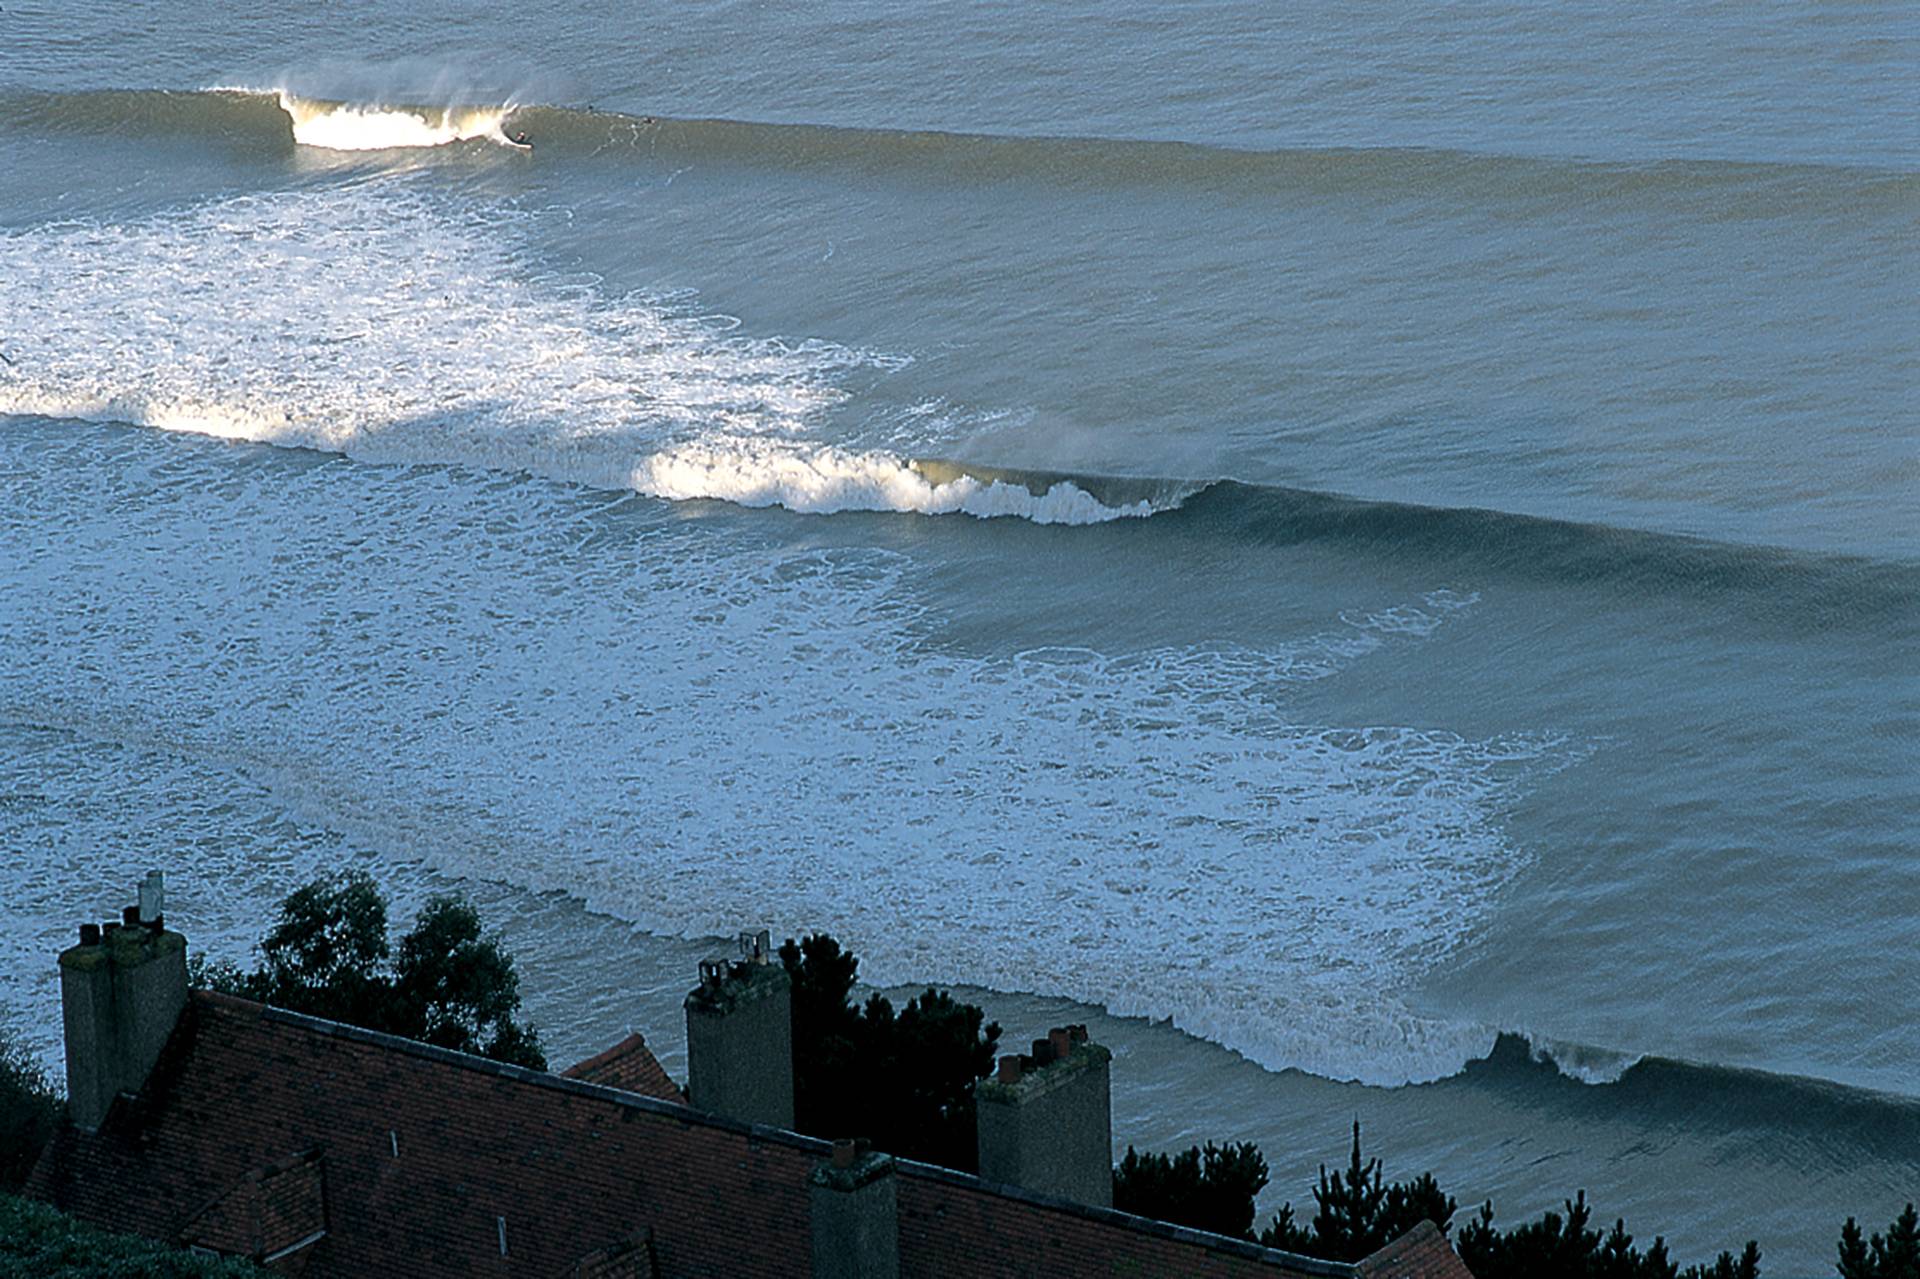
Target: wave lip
828,480
344,126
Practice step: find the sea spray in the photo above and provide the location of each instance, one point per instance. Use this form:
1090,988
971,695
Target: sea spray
343,126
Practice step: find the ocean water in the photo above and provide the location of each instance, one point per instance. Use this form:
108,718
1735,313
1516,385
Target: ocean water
1373,555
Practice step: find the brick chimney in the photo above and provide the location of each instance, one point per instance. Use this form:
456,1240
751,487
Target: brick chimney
1046,1119
121,991
740,1037
855,1203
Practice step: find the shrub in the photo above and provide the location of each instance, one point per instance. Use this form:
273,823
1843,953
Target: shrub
29,1110
38,1243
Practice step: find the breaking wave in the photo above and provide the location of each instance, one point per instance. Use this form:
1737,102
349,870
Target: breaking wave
344,126
259,120
1607,1085
376,321
684,728
391,328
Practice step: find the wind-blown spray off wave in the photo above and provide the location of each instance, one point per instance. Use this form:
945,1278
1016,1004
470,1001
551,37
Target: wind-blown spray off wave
344,126
375,322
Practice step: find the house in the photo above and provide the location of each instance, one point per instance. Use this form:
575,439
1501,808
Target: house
322,1149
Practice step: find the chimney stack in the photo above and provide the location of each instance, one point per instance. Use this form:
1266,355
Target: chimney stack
1045,1122
740,1037
121,991
855,1203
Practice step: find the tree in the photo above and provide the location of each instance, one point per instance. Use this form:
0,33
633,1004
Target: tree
826,1031
1564,1246
1747,1266
450,985
1358,1214
934,1052
458,989
1552,1245
904,1079
29,1111
1210,1188
325,954
1895,1255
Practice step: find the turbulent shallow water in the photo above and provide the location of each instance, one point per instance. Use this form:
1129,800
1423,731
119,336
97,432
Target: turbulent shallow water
1313,540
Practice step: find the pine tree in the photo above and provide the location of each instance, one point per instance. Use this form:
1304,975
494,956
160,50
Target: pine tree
1347,1224
1895,1255
1854,1262
1901,1260
1359,1215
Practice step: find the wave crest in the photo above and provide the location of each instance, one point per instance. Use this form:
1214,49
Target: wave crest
345,126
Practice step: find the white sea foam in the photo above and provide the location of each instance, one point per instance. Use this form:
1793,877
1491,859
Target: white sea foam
516,685
1583,1062
374,322
345,126
506,680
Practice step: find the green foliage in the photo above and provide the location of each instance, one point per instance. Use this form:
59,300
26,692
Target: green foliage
29,1111
1894,1255
38,1243
449,985
1358,1214
324,957
456,988
903,1079
1746,1266
1209,1189
1557,1245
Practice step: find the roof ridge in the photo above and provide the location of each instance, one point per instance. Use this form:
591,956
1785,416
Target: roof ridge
780,1136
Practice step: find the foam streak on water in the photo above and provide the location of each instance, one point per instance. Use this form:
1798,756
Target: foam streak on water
690,732
374,322
684,727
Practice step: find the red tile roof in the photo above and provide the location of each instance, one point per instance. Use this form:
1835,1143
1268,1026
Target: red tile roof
628,1065
1421,1253
430,1162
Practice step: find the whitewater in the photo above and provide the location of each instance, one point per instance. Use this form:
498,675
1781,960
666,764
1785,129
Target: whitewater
369,310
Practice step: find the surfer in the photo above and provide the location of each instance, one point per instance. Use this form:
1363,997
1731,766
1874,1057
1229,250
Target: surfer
520,140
